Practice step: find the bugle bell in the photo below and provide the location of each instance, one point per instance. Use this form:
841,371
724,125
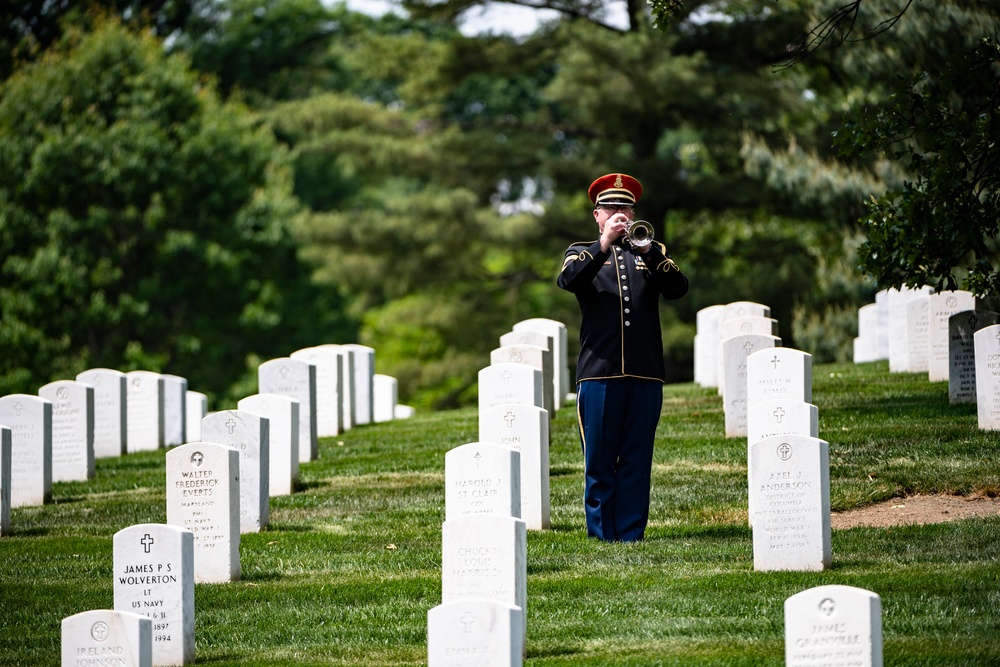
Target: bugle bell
639,233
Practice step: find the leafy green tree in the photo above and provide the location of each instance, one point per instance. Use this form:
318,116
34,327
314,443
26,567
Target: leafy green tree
939,227
143,224
267,49
29,27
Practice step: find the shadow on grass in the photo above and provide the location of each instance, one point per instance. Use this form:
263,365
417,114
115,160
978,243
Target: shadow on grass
301,485
552,651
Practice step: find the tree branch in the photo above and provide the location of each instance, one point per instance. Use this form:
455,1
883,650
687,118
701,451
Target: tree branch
838,26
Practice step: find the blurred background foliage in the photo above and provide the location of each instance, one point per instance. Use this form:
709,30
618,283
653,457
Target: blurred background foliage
195,186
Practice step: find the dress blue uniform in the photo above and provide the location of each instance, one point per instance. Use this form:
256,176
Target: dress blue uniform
620,373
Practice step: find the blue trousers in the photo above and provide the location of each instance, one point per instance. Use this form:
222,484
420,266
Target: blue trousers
618,419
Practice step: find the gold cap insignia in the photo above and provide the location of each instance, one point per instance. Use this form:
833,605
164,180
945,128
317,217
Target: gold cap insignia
618,180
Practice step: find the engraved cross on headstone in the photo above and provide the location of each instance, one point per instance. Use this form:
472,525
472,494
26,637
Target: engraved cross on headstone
748,347
505,376
827,606
784,451
100,631
17,409
778,414
477,457
509,418
283,372
231,425
775,361
146,542
467,620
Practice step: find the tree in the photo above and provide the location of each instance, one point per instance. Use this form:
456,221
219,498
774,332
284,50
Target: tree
266,49
29,27
940,226
142,223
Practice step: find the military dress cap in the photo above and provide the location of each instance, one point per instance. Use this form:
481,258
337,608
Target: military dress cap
615,189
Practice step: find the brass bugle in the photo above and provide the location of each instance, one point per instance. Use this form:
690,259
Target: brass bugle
639,233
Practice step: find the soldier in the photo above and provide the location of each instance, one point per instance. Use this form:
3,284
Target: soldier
618,281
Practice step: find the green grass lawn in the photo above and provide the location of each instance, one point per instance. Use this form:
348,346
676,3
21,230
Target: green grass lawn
351,563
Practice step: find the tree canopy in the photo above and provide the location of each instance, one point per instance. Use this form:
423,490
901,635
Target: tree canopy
326,176
143,224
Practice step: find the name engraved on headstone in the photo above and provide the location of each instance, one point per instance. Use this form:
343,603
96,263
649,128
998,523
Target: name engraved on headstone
107,638
203,496
482,478
510,383
962,327
248,434
525,429
154,577
29,419
790,485
72,429
296,379
109,410
475,633
833,626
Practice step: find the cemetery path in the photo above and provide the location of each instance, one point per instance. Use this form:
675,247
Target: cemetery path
920,509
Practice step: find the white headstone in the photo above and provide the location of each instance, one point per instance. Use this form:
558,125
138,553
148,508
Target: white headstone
748,324
789,482
72,429
537,339
781,372
107,637
203,496
249,434
525,429
154,577
706,346
560,352
730,311
962,354
174,410
29,419
943,306
282,413
735,352
347,397
195,409
403,412
833,626
744,309
296,379
385,397
866,343
110,425
483,633
778,417
4,480
482,478
145,420
899,338
329,361
987,343
918,331
510,383
530,355
781,416
882,306
484,557
363,360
